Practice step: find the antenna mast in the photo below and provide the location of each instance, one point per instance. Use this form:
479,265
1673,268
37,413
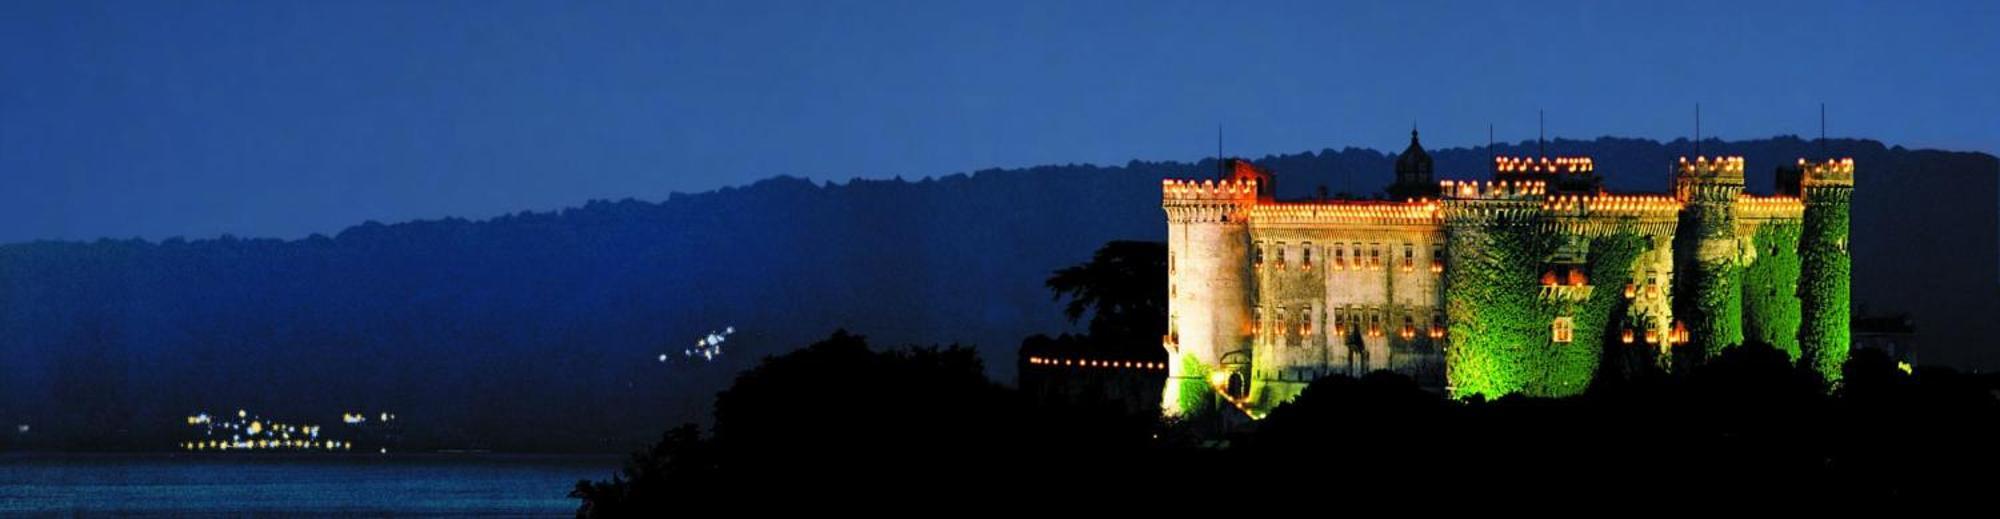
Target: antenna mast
1822,132
1541,134
1697,129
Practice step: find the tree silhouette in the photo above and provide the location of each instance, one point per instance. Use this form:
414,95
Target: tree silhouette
1123,289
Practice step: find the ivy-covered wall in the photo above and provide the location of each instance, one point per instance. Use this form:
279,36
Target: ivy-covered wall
1500,324
1187,393
1709,297
1824,270
1597,318
1770,299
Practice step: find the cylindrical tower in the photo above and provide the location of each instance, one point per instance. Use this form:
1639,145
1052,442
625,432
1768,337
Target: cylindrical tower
1209,290
1706,251
1824,265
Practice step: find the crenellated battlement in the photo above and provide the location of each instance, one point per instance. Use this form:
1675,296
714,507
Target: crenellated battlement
1494,189
1831,173
1563,165
1234,190
1614,205
1769,207
1414,212
1719,168
1221,201
1705,181
1599,214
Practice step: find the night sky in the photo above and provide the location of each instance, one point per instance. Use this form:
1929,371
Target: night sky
158,119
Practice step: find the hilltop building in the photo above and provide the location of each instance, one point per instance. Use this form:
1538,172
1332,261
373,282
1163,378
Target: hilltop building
1533,281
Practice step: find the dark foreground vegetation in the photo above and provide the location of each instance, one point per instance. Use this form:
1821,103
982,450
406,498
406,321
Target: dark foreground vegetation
857,426
915,425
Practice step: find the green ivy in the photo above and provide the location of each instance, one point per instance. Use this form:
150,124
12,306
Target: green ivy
1500,326
1771,309
1823,289
1190,395
1709,298
1597,318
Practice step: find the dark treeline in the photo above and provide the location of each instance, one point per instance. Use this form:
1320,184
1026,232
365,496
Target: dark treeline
538,331
840,423
909,427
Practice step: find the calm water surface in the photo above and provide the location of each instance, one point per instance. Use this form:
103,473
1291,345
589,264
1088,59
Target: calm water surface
376,484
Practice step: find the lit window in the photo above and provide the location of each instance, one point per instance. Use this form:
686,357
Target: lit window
1257,254
1305,323
1306,255
1339,256
1409,257
1279,327
1563,330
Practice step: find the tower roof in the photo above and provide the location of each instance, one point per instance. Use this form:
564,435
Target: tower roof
1413,158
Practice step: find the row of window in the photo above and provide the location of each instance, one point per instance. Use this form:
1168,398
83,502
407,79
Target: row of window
1276,332
1345,256
1346,320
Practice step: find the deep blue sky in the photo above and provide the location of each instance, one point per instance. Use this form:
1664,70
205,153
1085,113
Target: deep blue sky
267,118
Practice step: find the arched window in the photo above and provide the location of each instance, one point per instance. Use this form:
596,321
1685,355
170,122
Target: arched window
1339,323
1278,327
1563,330
1305,324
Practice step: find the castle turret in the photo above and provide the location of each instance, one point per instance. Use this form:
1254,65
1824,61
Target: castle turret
1824,264
1414,173
1708,255
1209,287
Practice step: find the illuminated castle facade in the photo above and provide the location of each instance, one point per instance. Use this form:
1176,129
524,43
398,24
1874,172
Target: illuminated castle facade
1532,282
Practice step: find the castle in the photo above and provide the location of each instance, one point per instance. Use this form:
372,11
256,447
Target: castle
1533,282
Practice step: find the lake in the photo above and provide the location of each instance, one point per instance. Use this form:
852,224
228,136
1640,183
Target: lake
374,484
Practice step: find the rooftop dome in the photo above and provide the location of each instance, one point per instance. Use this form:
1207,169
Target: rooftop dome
1414,159
1413,172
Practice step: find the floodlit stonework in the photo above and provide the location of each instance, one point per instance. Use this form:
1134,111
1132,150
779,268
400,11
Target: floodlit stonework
1267,295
